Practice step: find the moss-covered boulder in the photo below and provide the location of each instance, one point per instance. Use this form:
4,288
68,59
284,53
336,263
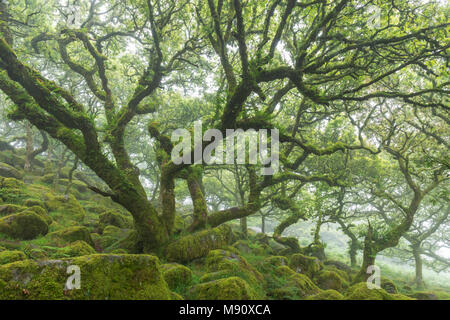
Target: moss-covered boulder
41,212
300,283
246,247
360,291
34,202
338,264
8,209
344,275
8,171
11,183
199,244
127,241
9,157
315,250
113,218
276,246
77,249
423,295
388,285
275,261
326,295
399,296
11,256
94,208
37,254
72,234
327,279
113,238
24,225
67,204
305,264
233,288
12,190
176,275
232,264
102,277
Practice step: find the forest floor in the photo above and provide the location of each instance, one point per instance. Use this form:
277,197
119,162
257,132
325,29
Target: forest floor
43,232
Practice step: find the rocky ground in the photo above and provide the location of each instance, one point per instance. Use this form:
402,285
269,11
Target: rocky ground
43,231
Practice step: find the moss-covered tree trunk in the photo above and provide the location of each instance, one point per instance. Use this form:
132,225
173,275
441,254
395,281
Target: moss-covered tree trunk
418,280
244,227
263,224
352,252
369,254
194,183
28,147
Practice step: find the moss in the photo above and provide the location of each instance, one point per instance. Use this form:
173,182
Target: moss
220,260
119,251
23,225
127,242
112,238
423,295
344,275
176,275
360,291
176,296
12,190
41,212
73,234
37,254
102,277
303,285
327,279
7,209
198,244
232,288
398,296
11,183
111,231
11,256
69,205
211,276
34,202
12,159
327,295
179,224
388,285
245,246
76,249
337,264
8,171
442,295
316,250
276,261
113,218
304,264
96,209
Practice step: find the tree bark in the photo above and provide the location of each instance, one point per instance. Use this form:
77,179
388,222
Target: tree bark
263,224
418,280
198,199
